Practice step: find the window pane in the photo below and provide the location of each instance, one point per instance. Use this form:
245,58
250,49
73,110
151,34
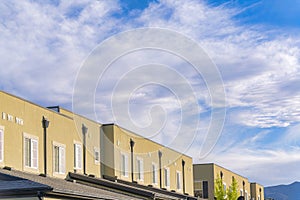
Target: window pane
56,158
154,174
205,189
178,181
62,160
34,153
140,169
27,152
77,156
167,177
123,165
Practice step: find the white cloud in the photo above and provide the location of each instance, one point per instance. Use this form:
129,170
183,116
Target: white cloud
42,46
42,49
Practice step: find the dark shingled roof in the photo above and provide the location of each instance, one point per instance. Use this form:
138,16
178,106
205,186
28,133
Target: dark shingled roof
18,181
128,187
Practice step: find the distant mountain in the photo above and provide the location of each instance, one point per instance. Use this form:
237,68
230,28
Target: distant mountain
284,192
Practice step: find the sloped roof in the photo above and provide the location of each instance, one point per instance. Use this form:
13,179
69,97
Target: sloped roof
125,187
53,186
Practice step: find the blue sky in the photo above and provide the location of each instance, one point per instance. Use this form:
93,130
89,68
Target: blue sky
254,44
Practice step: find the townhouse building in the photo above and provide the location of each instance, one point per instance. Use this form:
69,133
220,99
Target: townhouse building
52,153
206,174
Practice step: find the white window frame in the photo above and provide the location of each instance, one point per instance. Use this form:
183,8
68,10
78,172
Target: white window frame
1,143
200,190
78,155
124,164
154,173
34,153
167,177
178,180
140,168
61,158
97,150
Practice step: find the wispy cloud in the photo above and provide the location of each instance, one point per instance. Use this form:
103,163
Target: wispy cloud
43,45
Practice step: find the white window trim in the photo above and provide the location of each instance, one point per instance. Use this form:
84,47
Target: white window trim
168,182
60,145
125,172
180,181
97,149
154,173
32,138
76,164
2,145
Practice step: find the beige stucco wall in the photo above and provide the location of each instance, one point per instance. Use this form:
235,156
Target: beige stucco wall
257,191
147,151
227,179
209,172
65,129
61,130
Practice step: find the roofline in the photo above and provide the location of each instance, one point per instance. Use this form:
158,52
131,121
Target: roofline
32,103
104,124
62,108
223,168
128,187
114,124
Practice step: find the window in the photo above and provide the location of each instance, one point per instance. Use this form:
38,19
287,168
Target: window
1,144
154,173
30,152
205,189
167,177
198,188
224,186
140,169
59,158
97,155
178,180
77,156
124,165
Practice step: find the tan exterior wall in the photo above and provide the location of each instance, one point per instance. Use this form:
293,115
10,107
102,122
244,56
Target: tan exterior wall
227,180
147,151
61,130
257,191
209,172
202,173
20,118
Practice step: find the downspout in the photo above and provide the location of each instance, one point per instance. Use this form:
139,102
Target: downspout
45,124
183,177
84,132
159,160
131,150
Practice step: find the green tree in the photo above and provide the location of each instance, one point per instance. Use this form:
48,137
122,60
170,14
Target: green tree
220,193
232,191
